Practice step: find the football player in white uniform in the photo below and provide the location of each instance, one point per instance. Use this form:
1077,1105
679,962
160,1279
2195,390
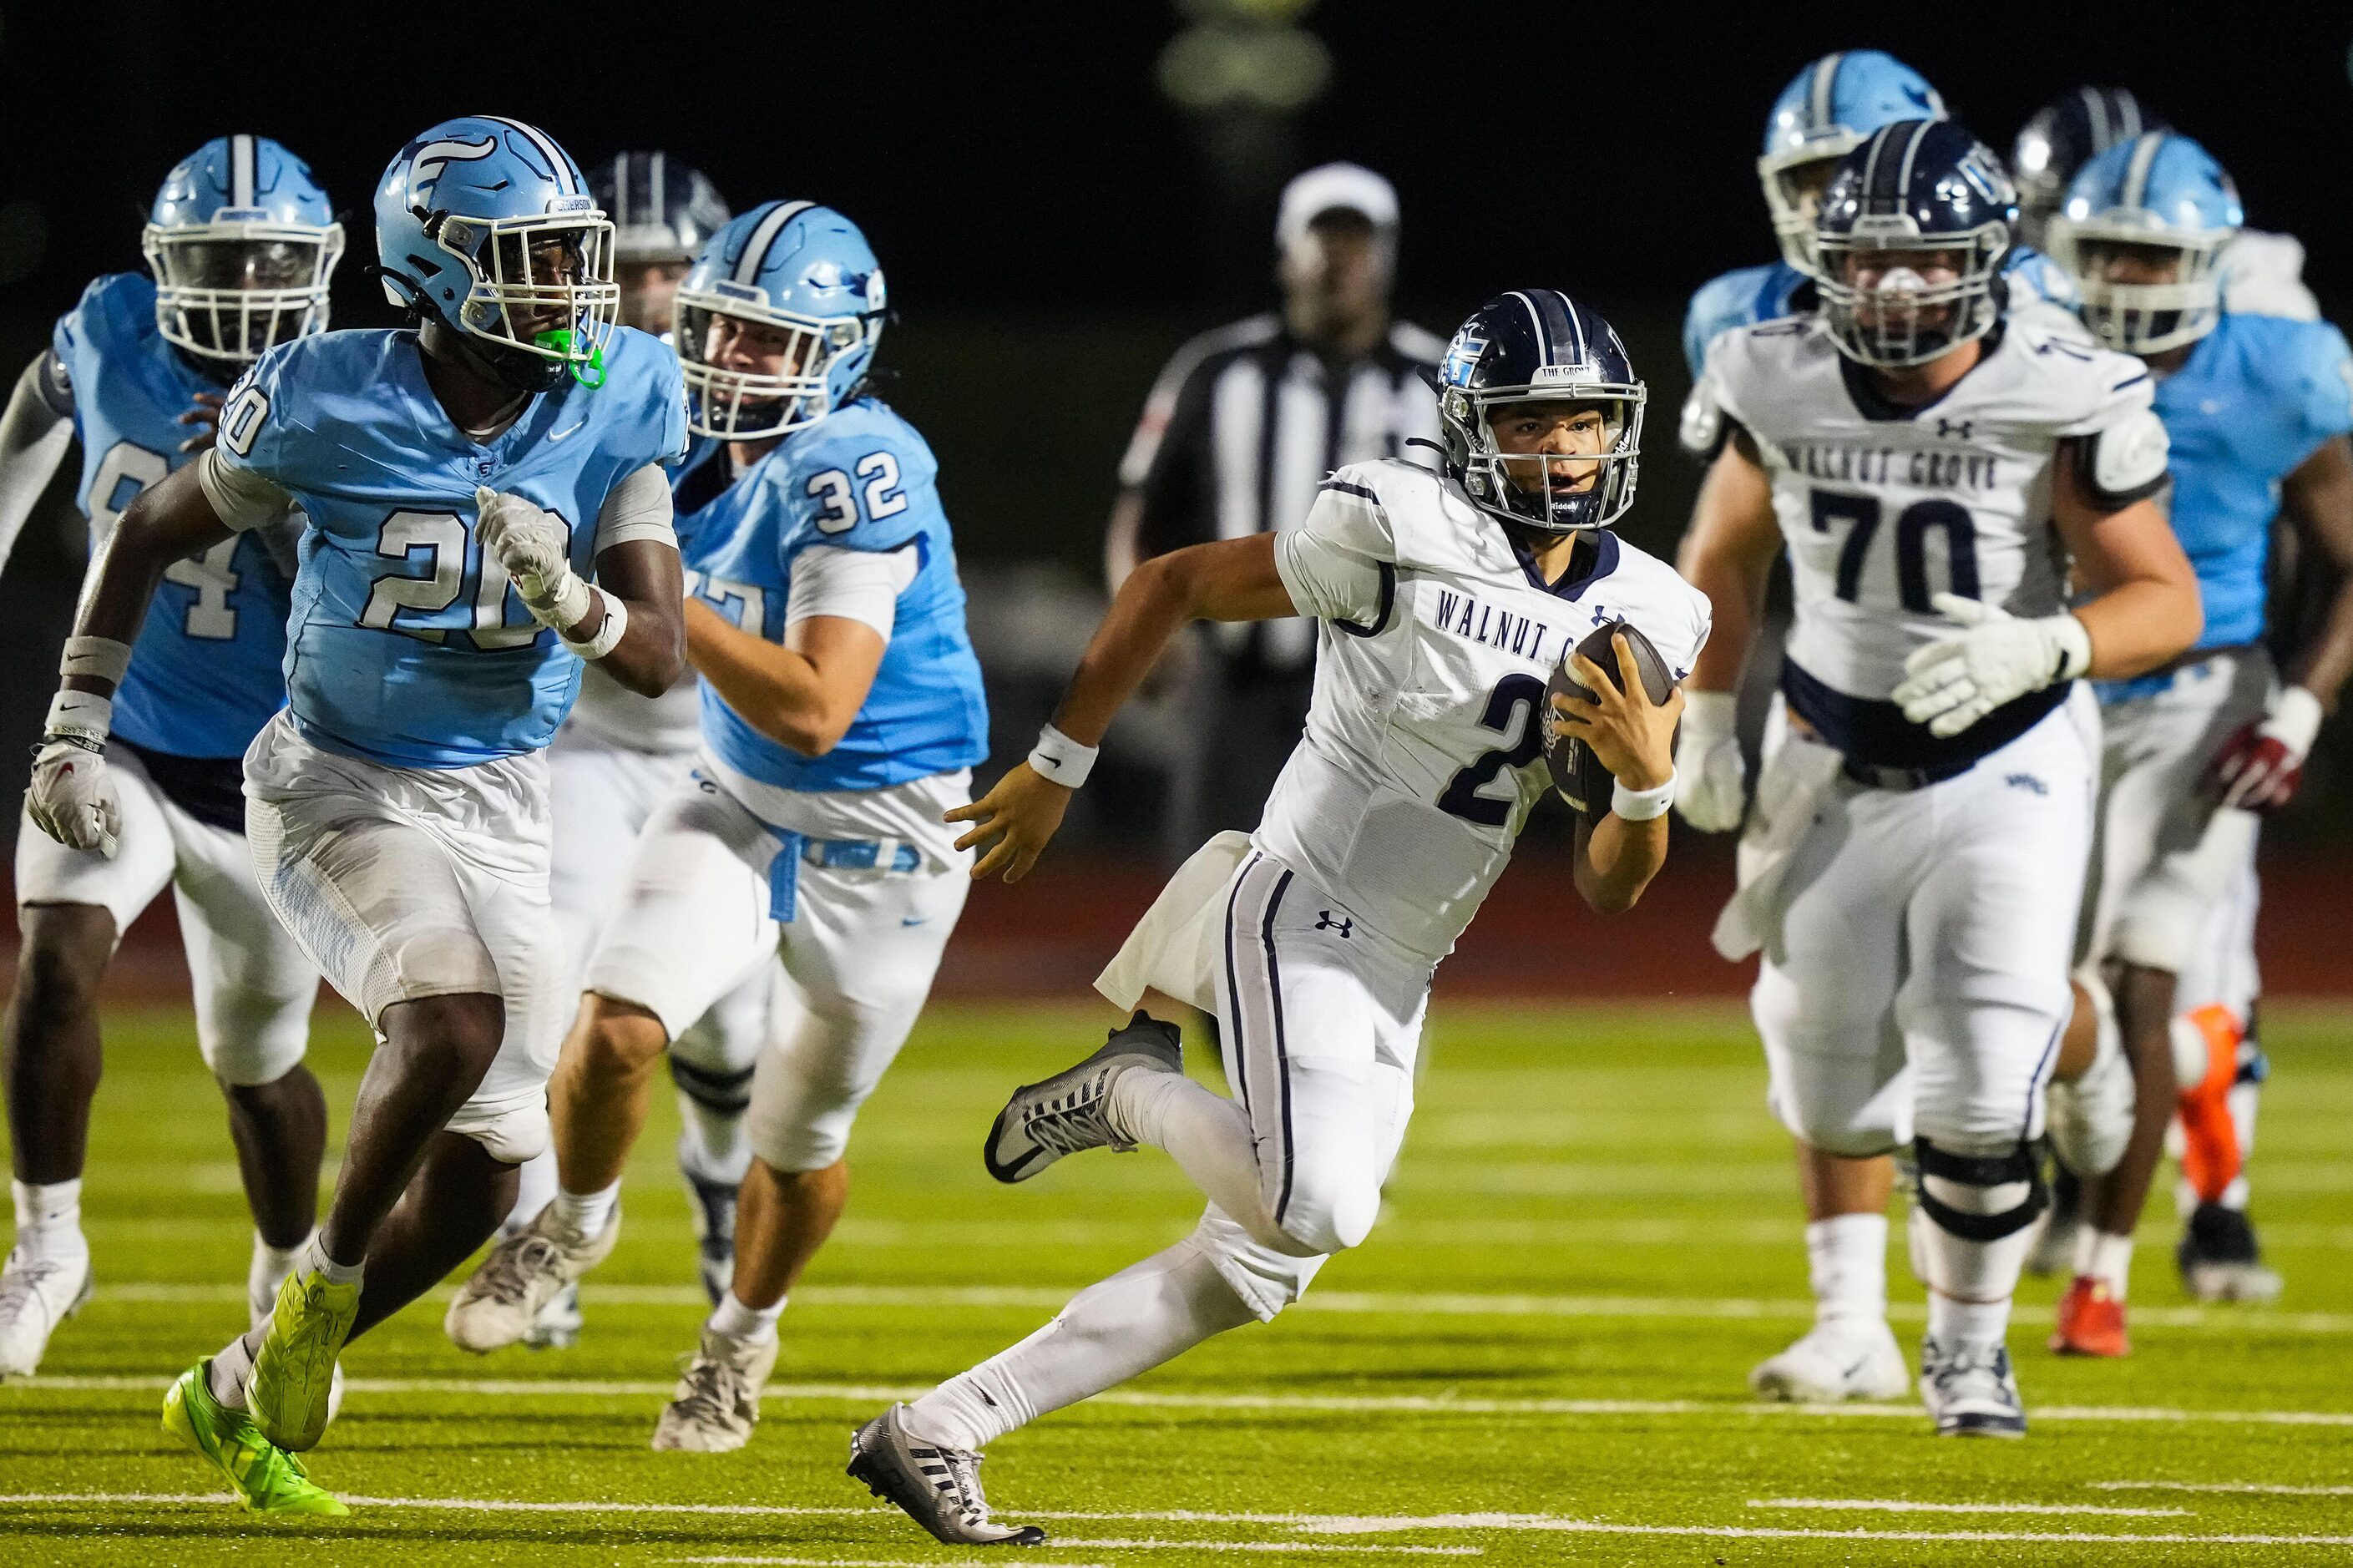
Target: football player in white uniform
1445,600
617,756
1916,859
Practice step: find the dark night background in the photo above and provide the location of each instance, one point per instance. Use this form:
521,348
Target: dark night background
1054,223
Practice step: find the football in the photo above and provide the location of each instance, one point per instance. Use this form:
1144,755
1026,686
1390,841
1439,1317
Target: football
1577,772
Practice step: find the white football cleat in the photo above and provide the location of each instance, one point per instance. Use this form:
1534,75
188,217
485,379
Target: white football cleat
38,1292
558,1325
1971,1393
1845,1358
938,1488
718,1400
501,1303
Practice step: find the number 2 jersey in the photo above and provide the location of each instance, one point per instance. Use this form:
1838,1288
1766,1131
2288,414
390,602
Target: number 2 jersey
206,671
1882,508
1423,750
409,645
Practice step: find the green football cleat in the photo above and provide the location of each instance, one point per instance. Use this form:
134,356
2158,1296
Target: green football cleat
294,1372
266,1477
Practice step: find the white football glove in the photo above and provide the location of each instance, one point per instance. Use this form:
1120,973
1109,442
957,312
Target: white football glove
532,545
1708,761
70,797
1995,659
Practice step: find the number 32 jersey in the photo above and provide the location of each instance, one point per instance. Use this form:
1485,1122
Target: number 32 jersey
1424,743
1883,508
204,674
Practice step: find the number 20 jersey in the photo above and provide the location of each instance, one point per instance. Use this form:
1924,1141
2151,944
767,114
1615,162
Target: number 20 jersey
409,646
1883,508
1423,752
204,673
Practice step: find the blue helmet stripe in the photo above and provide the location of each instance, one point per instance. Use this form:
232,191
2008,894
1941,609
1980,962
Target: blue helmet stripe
1911,150
562,165
756,249
1535,317
1572,323
2136,170
240,171
1871,181
1822,93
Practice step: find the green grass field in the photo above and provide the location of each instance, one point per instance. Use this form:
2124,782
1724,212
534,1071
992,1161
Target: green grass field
1538,1358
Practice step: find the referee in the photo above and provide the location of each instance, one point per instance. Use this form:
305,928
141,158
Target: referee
1238,431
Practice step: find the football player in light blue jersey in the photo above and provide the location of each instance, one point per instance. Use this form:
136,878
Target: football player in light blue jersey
459,481
241,243
841,716
1827,110
2257,409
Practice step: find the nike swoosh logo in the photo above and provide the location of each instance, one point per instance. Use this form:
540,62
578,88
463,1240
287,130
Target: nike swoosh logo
560,435
916,920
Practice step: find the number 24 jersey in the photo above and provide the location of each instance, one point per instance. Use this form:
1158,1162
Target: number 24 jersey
1424,745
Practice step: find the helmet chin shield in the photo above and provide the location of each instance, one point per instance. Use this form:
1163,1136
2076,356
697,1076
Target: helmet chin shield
731,404
1591,489
233,288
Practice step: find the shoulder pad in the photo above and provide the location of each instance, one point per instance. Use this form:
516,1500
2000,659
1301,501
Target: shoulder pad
2128,458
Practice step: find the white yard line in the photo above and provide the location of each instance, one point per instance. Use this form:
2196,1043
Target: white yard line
1340,1404
851,1562
2257,1488
1311,1524
1904,1505
1443,1304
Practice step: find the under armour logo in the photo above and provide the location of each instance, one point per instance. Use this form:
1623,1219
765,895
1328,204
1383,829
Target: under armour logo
1324,922
1953,429
2027,782
1601,615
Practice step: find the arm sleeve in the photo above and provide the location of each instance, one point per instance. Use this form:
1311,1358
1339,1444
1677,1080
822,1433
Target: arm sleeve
242,498
33,435
862,585
637,508
1341,564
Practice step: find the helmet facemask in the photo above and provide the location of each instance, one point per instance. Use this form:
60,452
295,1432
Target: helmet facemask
540,291
233,288
2145,288
733,404
1794,180
1894,295
1584,481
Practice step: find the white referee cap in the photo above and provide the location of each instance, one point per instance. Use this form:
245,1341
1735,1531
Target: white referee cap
1350,187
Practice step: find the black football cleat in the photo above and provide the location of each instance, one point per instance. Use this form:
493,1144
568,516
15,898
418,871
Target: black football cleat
1071,1111
937,1488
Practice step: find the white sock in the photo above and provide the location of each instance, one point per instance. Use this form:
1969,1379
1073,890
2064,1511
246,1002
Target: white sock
49,1218
713,1146
1953,1322
269,1270
1139,1318
1847,1259
534,1189
586,1215
2105,1257
731,1319
1206,1134
315,1257
231,1366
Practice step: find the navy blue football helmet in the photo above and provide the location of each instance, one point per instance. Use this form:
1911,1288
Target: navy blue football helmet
1538,345
1913,233
2066,133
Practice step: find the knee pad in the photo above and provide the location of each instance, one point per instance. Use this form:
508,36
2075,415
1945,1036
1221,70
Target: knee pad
720,1092
250,1037
1266,1281
799,1121
1979,1197
1331,1215
510,1130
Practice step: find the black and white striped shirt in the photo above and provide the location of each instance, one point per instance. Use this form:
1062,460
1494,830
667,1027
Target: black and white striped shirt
1241,427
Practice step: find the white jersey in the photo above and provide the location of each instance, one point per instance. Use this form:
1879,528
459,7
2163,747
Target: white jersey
669,724
1883,508
1423,747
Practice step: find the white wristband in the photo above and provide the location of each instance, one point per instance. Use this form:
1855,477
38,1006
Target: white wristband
1061,759
101,657
2073,641
80,714
2295,719
1641,805
608,635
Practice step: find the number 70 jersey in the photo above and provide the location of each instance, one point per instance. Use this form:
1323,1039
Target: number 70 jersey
1883,508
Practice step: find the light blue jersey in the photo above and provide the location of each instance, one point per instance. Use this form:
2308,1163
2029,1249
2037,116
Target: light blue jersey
1748,294
204,673
860,478
409,645
2257,396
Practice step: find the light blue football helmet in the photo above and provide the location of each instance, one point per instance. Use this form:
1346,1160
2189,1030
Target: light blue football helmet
242,242
2158,198
489,224
1828,109
804,273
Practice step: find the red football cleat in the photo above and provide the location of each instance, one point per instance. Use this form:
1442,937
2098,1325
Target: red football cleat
2091,1321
